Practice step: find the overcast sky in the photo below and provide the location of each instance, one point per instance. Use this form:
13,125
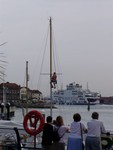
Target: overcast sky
83,31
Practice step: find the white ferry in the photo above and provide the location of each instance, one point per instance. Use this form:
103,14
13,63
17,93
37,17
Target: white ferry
75,95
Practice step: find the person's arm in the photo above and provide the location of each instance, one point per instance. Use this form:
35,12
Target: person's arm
67,129
84,128
103,130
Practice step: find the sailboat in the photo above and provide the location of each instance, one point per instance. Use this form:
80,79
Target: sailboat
53,75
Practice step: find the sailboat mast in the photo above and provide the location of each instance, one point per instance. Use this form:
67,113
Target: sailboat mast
50,21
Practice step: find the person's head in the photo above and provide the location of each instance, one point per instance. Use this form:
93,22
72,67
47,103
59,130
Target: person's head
49,119
59,121
95,115
54,122
77,117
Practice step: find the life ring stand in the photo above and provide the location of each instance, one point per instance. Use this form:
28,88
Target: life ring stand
31,119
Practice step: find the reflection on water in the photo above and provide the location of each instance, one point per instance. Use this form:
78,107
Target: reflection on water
67,111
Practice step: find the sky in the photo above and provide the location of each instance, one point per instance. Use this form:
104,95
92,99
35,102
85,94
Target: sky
83,33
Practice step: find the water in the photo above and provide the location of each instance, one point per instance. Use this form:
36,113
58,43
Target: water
67,111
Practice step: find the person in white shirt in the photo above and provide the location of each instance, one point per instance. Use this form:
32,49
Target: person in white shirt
76,133
62,129
95,128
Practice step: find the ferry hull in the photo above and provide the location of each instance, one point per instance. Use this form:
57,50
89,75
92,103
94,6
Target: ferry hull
75,95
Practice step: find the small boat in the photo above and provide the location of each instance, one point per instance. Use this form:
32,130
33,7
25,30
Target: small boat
14,137
75,95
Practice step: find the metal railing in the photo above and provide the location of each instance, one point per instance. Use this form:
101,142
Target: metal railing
18,139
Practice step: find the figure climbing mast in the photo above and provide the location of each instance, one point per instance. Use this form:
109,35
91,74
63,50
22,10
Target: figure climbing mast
54,80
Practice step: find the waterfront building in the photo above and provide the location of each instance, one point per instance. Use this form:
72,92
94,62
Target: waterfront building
11,92
32,95
36,95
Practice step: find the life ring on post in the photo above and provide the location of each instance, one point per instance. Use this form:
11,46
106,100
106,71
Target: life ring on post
31,120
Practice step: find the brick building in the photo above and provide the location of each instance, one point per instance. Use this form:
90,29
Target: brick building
13,93
10,92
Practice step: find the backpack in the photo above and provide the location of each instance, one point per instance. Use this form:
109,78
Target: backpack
55,135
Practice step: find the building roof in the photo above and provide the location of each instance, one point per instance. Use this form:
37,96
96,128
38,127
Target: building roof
10,85
36,91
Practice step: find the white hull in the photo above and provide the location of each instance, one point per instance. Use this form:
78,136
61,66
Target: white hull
75,95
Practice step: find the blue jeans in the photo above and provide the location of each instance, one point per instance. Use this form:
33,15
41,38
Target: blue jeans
74,144
92,143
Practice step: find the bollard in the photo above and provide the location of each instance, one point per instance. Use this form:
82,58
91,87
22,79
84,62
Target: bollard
2,110
8,111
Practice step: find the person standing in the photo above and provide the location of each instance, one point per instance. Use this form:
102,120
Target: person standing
76,133
47,134
95,128
62,129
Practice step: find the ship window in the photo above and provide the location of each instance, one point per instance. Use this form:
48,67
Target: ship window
62,93
74,93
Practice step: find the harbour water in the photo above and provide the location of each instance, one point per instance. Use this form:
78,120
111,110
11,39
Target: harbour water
67,111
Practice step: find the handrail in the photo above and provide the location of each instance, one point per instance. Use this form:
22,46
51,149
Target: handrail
27,143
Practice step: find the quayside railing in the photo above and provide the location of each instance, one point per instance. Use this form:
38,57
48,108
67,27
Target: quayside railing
18,139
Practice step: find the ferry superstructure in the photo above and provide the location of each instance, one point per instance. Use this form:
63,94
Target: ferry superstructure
75,95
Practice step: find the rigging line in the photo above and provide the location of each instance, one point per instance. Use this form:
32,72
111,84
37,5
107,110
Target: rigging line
3,44
57,60
37,62
2,79
47,91
54,60
60,107
54,53
3,61
43,56
2,67
2,64
2,54
2,73
54,50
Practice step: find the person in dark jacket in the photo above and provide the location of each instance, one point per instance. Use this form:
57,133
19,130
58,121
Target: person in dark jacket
47,134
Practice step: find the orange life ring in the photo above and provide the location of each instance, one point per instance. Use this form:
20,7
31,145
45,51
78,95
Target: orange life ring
30,122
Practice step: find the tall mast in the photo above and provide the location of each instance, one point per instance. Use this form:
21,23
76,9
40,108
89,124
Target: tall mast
50,21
